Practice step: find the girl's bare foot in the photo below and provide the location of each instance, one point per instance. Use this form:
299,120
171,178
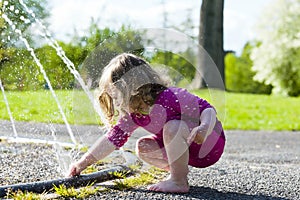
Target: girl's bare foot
170,186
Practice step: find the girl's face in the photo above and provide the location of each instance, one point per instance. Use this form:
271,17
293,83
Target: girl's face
137,105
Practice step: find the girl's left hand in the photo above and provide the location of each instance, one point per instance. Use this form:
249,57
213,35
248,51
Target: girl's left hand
198,135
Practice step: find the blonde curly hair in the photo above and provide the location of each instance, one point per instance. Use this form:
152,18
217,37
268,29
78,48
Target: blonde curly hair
134,79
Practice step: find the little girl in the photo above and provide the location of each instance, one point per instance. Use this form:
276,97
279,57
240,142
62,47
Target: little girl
185,128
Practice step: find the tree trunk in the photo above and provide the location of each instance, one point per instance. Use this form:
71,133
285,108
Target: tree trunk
210,69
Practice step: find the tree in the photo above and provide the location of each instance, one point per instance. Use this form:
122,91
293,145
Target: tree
104,44
89,55
57,71
21,20
180,71
239,76
20,72
277,60
211,39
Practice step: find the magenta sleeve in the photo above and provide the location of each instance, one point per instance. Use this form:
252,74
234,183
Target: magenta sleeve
120,133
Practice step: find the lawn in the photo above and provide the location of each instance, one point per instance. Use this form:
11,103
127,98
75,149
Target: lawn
40,106
236,111
259,112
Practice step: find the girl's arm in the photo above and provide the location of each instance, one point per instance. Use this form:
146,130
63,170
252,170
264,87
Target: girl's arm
113,139
208,120
102,148
207,124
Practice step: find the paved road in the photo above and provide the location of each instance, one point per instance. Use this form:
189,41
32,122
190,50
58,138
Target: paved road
255,165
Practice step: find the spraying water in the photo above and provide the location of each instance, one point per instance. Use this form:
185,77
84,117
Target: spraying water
69,64
62,155
42,70
64,158
8,110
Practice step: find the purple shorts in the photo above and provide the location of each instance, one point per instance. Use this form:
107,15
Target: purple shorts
202,155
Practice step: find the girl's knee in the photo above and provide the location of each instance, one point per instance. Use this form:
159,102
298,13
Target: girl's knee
174,127
145,144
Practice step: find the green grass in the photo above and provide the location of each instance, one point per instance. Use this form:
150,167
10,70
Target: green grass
258,112
80,193
41,106
236,111
19,195
143,178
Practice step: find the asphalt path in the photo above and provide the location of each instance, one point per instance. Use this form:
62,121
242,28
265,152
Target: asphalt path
255,164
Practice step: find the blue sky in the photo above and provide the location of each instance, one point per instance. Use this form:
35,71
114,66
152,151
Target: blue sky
240,16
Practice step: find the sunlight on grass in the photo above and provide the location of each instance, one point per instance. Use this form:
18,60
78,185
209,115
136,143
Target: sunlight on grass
144,178
257,112
20,195
262,112
80,193
40,106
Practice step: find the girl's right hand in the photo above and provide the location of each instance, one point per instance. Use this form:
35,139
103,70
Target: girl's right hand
198,135
74,170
